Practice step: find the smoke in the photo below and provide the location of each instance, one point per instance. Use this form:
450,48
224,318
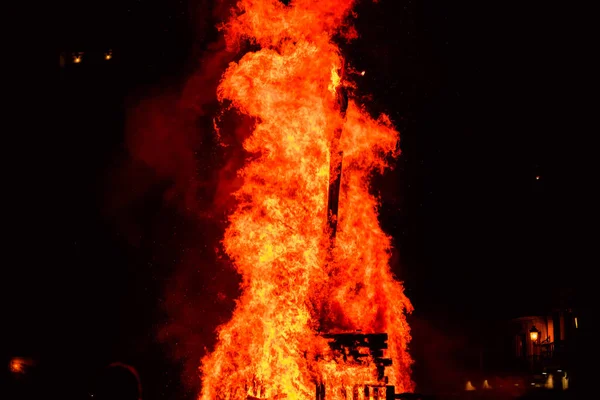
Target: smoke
171,192
440,355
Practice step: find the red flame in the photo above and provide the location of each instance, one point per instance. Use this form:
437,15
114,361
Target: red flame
296,284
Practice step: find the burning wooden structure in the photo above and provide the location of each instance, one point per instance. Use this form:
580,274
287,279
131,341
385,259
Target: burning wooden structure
356,347
320,312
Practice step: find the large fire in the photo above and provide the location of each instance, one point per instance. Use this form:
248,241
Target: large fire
303,281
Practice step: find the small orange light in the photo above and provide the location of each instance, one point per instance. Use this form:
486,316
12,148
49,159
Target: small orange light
108,55
537,178
17,366
77,59
363,73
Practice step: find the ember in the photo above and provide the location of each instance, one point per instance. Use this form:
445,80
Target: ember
17,365
320,313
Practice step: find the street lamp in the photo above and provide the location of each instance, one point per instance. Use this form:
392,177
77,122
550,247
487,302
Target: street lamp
534,334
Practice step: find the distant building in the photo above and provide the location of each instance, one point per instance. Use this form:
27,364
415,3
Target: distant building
549,346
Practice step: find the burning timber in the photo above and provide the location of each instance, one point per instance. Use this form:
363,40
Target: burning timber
305,236
336,157
359,348
352,347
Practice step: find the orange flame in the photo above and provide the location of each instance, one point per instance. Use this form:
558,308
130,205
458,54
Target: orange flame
296,285
17,365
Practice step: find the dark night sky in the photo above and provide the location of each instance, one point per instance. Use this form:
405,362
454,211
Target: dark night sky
479,91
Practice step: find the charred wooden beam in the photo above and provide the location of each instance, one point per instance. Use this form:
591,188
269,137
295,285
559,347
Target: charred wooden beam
352,345
390,392
374,341
320,391
335,166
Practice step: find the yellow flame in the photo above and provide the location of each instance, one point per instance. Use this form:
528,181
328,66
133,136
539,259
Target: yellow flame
335,80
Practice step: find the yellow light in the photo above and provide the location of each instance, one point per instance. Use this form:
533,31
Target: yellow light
549,382
108,55
576,325
534,336
76,59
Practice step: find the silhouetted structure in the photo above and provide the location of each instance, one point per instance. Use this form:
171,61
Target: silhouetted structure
360,347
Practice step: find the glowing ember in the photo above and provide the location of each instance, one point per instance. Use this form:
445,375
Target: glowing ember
18,365
298,283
